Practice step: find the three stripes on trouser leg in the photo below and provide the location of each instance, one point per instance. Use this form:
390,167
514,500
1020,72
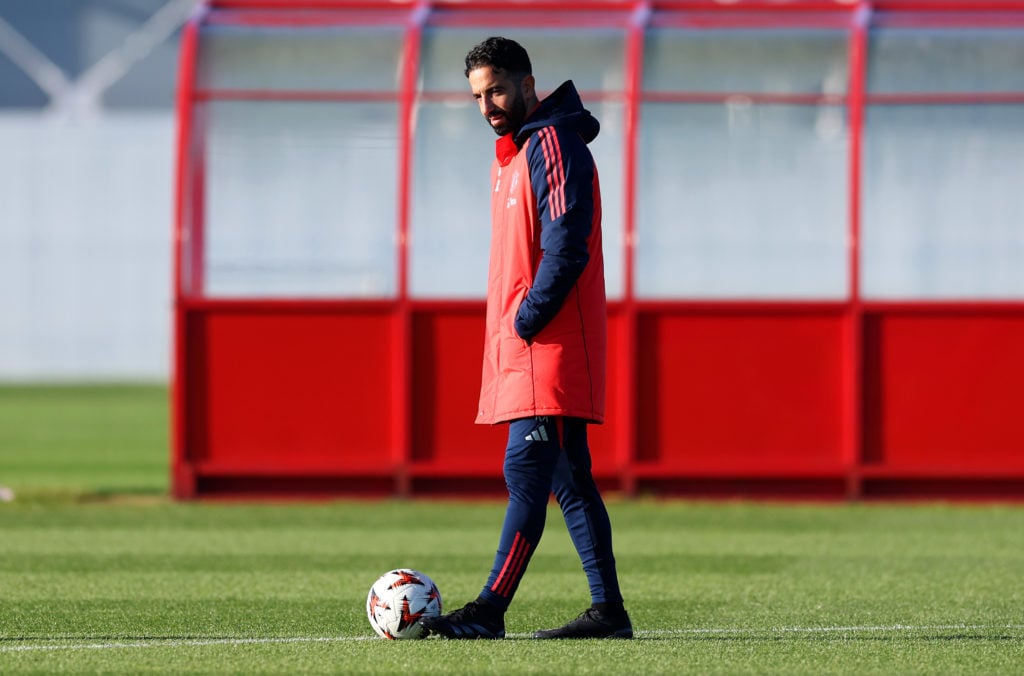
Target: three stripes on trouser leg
515,564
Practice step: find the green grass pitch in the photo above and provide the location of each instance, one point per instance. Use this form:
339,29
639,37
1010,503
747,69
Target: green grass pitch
100,572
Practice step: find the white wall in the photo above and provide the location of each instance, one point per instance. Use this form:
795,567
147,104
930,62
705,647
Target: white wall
85,231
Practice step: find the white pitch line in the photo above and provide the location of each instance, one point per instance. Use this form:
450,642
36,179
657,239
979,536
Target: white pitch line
825,630
177,643
732,631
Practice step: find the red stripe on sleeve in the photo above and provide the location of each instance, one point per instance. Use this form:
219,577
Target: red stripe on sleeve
546,147
561,173
555,171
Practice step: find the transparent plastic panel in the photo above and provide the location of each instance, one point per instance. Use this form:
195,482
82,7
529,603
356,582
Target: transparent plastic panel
592,59
308,58
450,219
742,201
796,61
450,216
300,199
608,154
919,60
454,150
943,202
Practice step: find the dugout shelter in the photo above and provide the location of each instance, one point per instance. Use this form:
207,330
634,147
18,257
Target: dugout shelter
813,240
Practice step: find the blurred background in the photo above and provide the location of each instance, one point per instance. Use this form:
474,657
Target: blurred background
86,166
814,250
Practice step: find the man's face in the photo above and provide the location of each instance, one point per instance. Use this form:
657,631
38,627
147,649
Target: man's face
501,99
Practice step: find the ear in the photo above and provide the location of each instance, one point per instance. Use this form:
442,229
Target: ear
527,86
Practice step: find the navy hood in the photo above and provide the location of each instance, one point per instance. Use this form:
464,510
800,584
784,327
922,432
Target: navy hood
562,108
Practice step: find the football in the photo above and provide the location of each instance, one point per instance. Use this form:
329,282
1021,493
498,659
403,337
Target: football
398,600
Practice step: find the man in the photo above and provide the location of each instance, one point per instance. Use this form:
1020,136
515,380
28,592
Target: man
545,346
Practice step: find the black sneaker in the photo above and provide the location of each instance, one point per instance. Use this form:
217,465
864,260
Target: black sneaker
591,624
476,619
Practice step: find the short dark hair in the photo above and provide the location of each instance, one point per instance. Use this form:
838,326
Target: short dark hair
501,54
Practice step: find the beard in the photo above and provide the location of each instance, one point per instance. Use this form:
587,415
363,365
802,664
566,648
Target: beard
511,119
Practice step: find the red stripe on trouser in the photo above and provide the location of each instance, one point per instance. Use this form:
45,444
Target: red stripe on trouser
508,560
516,571
514,564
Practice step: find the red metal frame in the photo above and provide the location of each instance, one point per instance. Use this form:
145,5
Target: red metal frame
867,330
625,401
403,317
854,366
183,476
293,95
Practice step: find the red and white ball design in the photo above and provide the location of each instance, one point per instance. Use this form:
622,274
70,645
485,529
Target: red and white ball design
398,600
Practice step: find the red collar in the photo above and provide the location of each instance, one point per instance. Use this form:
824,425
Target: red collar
505,149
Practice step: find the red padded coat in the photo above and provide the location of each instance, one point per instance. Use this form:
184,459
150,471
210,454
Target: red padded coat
546,332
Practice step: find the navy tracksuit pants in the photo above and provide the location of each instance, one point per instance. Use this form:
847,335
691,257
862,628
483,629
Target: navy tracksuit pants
548,455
